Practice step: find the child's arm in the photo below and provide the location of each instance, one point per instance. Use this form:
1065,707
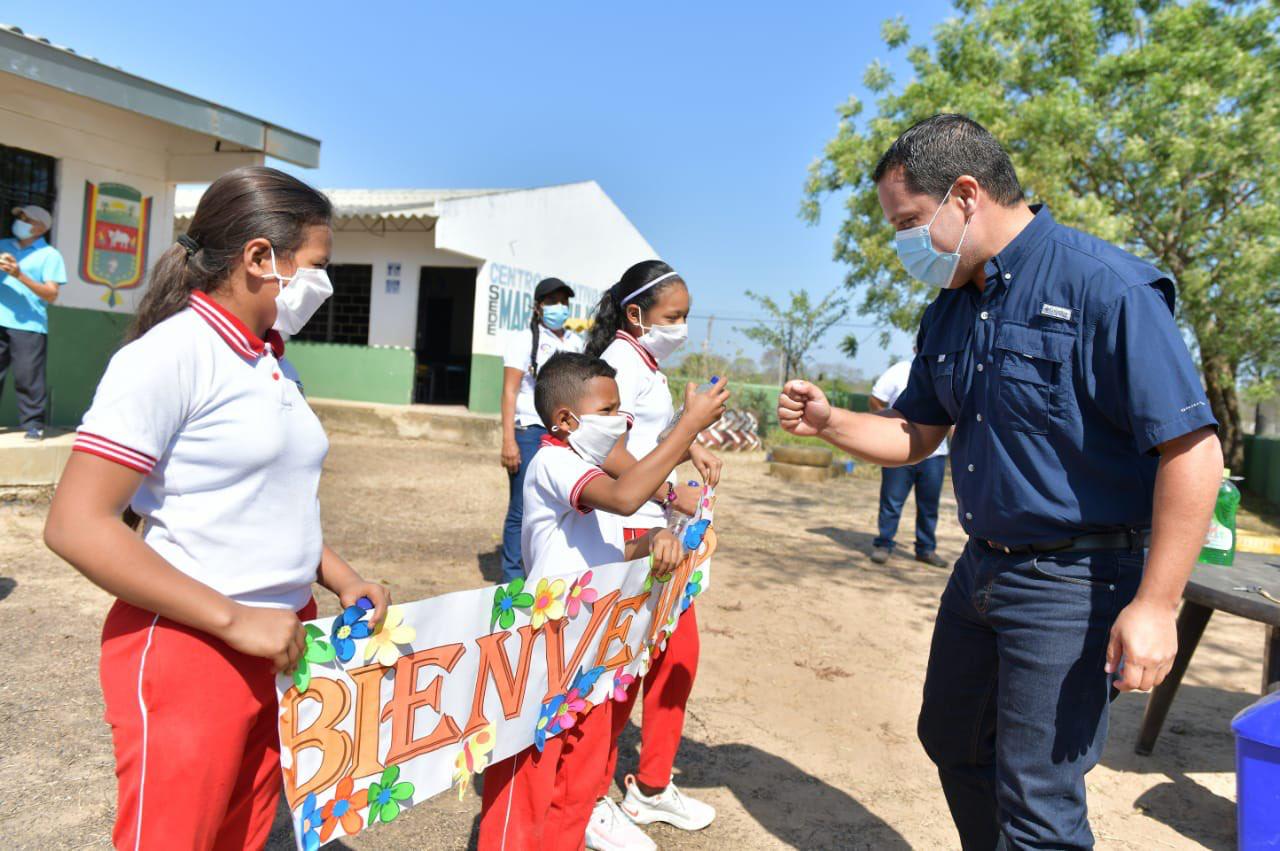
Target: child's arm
340,578
662,545
625,494
84,528
687,496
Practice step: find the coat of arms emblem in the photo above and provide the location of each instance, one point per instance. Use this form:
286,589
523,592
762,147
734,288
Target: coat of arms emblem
113,246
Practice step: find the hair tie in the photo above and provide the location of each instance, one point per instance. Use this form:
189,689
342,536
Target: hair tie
189,244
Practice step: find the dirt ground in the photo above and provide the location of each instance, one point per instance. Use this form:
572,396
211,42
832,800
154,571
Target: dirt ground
801,729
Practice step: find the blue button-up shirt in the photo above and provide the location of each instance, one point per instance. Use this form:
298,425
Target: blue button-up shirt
1061,377
20,308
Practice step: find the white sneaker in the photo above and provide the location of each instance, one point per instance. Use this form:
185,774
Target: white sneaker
670,806
609,830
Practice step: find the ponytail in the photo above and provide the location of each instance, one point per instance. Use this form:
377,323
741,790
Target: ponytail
641,285
535,326
244,204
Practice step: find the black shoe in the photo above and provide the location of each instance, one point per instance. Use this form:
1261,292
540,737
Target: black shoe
34,434
932,559
880,555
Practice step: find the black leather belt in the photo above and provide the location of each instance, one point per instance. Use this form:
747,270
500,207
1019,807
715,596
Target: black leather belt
1133,540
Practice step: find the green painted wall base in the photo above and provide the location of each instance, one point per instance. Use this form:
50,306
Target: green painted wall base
1262,467
486,384
355,373
80,344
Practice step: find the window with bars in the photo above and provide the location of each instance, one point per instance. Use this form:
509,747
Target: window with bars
344,318
25,178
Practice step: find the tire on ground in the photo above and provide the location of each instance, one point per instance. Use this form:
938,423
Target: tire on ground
799,472
804,456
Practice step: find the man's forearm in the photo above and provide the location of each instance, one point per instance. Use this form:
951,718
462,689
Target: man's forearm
1185,492
48,292
885,438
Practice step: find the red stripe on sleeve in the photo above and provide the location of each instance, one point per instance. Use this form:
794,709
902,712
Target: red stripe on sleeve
95,444
575,496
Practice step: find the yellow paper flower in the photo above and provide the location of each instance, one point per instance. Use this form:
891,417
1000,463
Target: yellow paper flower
547,605
392,631
473,758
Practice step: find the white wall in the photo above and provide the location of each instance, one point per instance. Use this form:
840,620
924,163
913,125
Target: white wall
572,232
98,143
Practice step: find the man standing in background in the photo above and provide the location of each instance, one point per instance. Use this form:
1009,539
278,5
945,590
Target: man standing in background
33,270
896,482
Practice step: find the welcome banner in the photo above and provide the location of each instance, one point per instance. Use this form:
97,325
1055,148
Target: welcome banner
373,722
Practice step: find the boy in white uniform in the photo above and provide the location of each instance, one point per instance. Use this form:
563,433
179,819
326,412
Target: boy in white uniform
550,798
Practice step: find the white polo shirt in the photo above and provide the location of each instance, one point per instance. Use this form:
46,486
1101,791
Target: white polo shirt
230,449
889,387
517,357
559,534
642,389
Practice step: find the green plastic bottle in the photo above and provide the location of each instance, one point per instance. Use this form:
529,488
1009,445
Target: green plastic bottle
1220,543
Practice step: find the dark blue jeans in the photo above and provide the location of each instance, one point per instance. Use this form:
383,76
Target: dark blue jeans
1016,698
528,440
895,484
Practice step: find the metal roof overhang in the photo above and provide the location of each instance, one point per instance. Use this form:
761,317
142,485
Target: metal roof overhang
54,66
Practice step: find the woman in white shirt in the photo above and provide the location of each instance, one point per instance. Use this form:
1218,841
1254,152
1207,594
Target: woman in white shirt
641,321
522,429
199,426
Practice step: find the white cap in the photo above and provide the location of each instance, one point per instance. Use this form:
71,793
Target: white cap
36,214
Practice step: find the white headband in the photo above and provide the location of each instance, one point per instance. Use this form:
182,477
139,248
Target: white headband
650,286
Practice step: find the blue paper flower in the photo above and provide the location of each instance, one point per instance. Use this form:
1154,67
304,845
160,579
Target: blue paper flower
309,824
347,628
547,725
693,589
586,680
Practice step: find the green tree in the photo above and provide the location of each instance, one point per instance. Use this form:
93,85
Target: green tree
792,331
849,346
1151,123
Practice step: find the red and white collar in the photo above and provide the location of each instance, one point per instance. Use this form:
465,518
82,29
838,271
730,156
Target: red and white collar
237,335
645,356
552,440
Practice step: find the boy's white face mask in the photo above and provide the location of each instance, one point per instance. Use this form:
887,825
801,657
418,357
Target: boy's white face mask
596,435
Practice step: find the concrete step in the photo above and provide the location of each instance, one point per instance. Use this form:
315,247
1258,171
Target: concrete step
441,423
25,463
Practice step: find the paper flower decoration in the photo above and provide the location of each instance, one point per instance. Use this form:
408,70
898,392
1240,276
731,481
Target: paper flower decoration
386,794
585,681
621,684
645,660
547,605
349,627
506,599
318,652
546,725
580,592
392,631
569,710
344,809
309,824
693,589
473,758
649,580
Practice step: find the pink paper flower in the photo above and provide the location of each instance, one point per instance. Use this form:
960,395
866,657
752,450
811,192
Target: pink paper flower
621,684
580,592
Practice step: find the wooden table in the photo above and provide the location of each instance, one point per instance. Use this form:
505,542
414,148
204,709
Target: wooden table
1210,589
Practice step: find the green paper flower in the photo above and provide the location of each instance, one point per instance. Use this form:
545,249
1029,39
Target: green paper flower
318,652
506,599
386,794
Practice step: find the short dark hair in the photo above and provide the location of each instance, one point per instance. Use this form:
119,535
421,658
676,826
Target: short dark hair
935,152
563,379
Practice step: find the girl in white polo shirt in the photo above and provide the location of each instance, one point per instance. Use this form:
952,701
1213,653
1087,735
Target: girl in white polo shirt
200,427
522,430
640,321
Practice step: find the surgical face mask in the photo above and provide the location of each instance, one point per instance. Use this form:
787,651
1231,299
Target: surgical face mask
924,262
596,435
21,229
555,315
301,295
662,341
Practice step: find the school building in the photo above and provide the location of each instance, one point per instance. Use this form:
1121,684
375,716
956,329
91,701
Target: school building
104,151
430,284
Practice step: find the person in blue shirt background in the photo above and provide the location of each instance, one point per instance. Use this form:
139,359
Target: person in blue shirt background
33,270
1085,462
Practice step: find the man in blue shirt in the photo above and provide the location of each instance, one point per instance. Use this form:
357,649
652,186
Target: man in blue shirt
1084,448
31,271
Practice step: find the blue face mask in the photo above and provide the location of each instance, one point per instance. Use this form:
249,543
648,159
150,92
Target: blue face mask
555,315
924,262
21,229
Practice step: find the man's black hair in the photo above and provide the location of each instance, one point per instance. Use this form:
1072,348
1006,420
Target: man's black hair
935,152
563,379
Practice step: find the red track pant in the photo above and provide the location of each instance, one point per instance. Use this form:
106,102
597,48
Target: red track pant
667,686
194,725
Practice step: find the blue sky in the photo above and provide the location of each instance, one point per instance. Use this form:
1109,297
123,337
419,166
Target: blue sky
699,120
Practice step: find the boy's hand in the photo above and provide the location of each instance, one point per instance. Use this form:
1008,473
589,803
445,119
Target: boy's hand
706,463
274,634
803,409
377,593
705,409
666,551
687,498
